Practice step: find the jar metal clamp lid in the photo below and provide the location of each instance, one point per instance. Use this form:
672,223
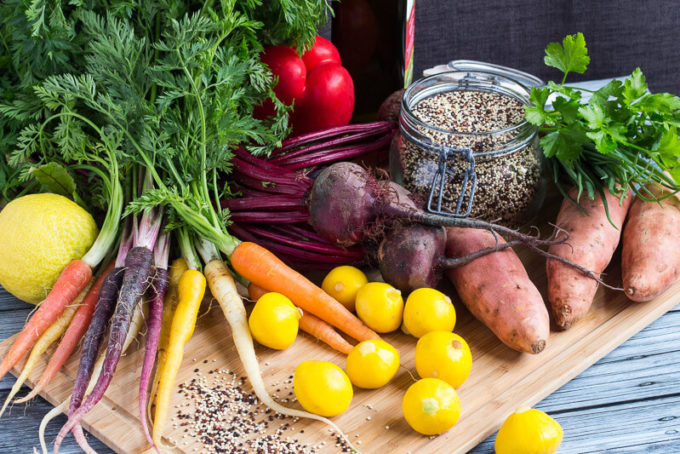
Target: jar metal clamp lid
466,74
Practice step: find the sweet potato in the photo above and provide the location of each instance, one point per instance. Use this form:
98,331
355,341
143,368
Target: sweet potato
591,244
498,291
650,260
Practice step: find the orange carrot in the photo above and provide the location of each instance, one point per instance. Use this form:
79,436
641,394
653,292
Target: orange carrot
324,332
71,282
263,268
311,325
76,330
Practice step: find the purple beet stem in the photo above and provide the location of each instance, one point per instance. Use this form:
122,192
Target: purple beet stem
330,144
160,286
136,279
297,141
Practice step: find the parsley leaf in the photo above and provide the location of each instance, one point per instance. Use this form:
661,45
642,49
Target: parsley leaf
622,138
634,86
570,56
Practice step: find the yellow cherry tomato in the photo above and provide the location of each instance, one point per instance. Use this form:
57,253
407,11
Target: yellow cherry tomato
443,355
372,364
343,283
380,306
431,406
322,388
274,321
428,310
528,431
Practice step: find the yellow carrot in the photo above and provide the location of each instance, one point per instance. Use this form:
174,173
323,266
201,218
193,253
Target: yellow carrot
50,336
190,291
178,267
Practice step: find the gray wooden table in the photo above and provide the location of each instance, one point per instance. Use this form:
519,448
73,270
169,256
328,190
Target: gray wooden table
628,402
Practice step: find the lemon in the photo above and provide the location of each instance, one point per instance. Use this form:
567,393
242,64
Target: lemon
274,321
443,355
322,388
431,406
428,310
380,306
528,431
342,283
39,235
372,364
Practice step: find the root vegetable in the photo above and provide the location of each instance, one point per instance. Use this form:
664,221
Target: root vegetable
263,268
70,283
74,332
591,244
346,204
498,291
190,291
135,328
650,259
410,256
50,336
136,279
224,290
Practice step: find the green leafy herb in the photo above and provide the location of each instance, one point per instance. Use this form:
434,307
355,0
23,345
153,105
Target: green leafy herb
623,138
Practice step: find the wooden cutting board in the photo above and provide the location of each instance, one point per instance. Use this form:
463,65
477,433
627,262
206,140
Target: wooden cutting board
500,381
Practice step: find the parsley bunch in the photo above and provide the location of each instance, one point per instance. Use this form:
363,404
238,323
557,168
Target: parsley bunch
622,138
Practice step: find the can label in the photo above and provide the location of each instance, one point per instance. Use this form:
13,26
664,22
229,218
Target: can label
409,34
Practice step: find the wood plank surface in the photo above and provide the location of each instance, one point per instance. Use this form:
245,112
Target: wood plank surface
501,379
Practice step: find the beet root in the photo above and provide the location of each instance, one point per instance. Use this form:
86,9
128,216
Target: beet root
341,203
410,256
347,203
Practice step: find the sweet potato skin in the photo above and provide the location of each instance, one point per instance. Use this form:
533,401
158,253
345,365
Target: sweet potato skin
591,244
498,291
650,258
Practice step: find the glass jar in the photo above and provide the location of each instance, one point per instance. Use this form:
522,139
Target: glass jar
464,147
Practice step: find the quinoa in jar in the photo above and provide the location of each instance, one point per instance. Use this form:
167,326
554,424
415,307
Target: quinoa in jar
470,126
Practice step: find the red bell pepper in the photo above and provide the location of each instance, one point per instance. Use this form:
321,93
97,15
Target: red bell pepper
318,84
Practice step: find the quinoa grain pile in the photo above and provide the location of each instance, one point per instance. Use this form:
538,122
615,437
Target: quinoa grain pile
509,186
221,413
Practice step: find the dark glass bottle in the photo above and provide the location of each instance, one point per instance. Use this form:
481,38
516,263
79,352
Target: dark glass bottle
375,40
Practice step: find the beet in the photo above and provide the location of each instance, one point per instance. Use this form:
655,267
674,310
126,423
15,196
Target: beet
411,256
346,202
391,107
342,203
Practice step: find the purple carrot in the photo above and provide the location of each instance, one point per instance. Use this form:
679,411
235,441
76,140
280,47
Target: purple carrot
102,313
157,289
95,332
136,279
